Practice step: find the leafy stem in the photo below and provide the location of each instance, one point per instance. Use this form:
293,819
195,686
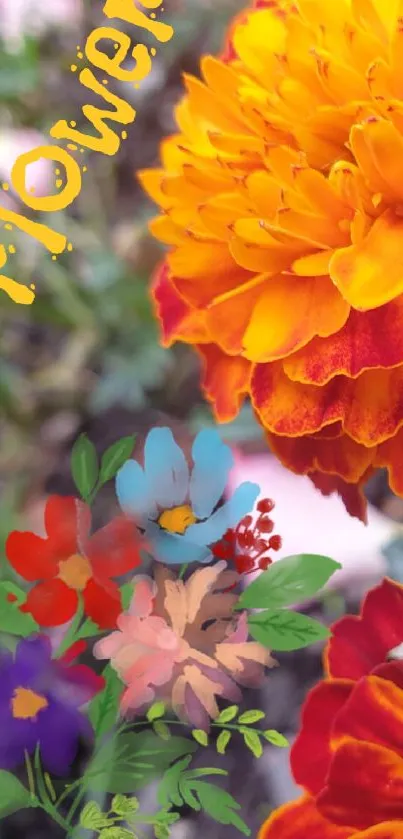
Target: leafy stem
71,633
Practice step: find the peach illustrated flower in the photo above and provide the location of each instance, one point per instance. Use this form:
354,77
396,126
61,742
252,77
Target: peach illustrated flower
348,756
282,206
162,649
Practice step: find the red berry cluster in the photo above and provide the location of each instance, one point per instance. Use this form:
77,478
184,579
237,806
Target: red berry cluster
247,544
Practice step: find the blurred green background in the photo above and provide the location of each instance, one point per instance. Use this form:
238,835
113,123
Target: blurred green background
88,346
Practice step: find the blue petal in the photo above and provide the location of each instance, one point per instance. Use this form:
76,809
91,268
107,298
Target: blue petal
213,461
172,549
133,491
165,468
229,515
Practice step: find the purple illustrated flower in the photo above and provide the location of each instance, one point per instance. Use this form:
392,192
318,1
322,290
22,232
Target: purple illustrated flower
40,702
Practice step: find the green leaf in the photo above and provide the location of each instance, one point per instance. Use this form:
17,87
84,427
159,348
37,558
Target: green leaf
84,466
115,457
123,806
131,761
275,738
228,714
168,790
89,629
115,833
288,581
251,716
222,742
103,710
220,805
13,795
253,742
157,710
285,631
92,818
200,736
126,593
162,730
12,620
205,770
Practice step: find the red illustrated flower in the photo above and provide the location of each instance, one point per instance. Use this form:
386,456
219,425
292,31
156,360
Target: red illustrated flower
69,562
245,545
348,756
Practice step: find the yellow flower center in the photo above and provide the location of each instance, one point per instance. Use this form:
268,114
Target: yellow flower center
75,572
178,519
26,704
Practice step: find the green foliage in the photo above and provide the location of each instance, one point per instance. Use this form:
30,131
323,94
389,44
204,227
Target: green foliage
288,581
250,717
275,738
130,761
228,714
181,785
102,712
285,631
222,741
200,736
84,466
124,806
12,620
92,818
115,457
13,795
156,711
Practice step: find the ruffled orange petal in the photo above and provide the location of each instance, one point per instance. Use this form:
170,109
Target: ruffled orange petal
364,786
369,407
301,820
201,271
363,343
358,644
324,701
179,321
340,455
370,273
240,319
225,381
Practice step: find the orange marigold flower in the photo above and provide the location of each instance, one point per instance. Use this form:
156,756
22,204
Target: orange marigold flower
351,731
282,206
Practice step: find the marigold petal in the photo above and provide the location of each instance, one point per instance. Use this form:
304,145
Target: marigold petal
340,456
369,406
300,820
179,321
324,701
51,603
370,273
362,344
364,785
318,309
358,644
202,271
225,381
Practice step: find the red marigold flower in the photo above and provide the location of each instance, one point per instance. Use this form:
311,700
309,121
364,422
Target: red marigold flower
69,561
351,731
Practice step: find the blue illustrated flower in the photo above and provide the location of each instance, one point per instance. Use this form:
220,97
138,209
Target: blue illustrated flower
177,507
